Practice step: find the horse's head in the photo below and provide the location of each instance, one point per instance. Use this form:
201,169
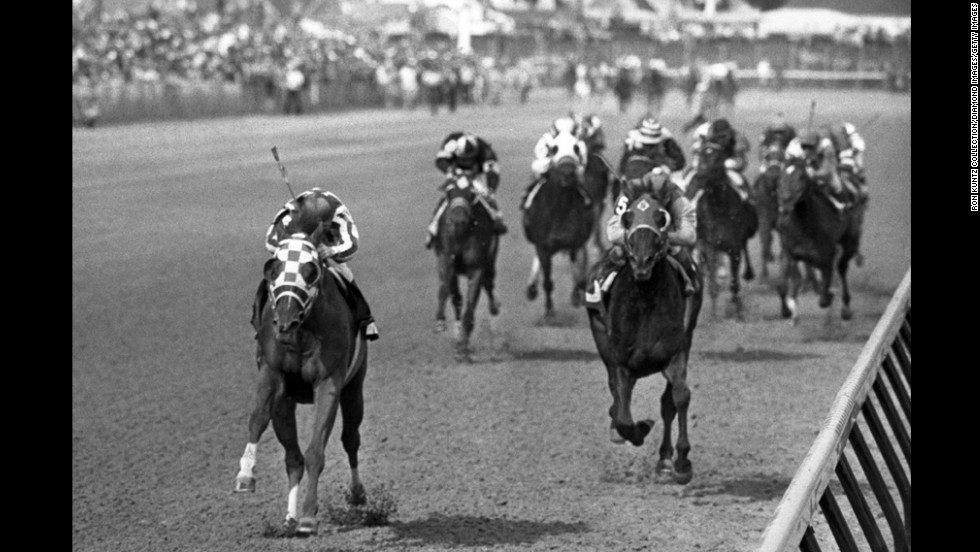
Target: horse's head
793,183
567,153
772,160
711,159
460,196
645,223
294,282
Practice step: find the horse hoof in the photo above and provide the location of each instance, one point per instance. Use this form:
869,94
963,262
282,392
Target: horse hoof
357,496
439,327
826,301
644,427
859,260
846,313
245,484
494,307
458,329
532,292
289,526
683,477
307,527
615,437
748,276
665,467
577,298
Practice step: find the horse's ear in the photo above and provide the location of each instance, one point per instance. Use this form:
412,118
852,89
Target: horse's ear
267,269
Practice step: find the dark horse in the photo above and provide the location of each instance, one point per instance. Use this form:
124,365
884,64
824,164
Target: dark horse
597,179
811,229
467,245
725,223
558,217
309,351
766,202
647,328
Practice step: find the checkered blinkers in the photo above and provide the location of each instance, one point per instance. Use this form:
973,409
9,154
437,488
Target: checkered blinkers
300,272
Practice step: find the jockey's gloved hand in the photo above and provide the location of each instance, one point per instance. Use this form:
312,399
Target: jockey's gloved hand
617,254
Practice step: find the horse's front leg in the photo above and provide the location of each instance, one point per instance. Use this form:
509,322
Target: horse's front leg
352,412
268,388
849,251
735,284
284,424
469,314
680,394
711,270
621,384
789,287
444,275
826,278
326,398
580,267
547,284
532,280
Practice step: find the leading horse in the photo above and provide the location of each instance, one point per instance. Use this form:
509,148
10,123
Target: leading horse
559,216
647,327
466,245
814,231
725,222
309,351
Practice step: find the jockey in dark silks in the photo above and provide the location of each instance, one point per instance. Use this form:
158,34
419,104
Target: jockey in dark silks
735,147
779,133
681,236
335,247
465,152
652,140
820,160
850,157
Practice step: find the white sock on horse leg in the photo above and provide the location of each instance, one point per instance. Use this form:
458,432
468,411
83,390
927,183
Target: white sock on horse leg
291,502
247,463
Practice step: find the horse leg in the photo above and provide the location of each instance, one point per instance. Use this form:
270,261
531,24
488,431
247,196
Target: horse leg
548,284
842,265
665,466
269,387
490,277
826,277
457,298
352,412
734,284
711,270
532,281
469,315
749,274
284,424
443,296
621,385
788,287
580,266
326,399
681,394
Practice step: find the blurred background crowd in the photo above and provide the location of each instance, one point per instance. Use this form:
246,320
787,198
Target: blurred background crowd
148,59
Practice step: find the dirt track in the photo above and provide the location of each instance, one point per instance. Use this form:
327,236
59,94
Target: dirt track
508,453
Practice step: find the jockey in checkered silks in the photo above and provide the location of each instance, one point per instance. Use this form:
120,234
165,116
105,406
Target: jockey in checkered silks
335,247
464,152
681,235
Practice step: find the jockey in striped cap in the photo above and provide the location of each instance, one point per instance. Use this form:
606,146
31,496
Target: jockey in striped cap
335,246
652,140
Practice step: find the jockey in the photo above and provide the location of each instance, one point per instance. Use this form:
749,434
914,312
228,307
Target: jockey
591,132
462,151
335,247
821,160
850,156
778,132
681,236
733,143
652,140
563,139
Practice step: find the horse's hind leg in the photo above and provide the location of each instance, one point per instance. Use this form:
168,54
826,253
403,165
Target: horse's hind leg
735,285
579,269
711,271
548,284
469,315
826,278
443,296
749,274
842,266
269,386
677,376
789,287
284,424
326,399
352,412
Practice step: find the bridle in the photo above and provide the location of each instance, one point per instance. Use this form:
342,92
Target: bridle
642,205
293,253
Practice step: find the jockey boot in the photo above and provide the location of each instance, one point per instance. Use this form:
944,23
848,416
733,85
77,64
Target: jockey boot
261,296
692,281
527,191
361,311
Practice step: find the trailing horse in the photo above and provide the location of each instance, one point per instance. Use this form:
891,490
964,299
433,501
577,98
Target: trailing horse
597,179
647,327
725,223
766,202
466,245
813,231
309,350
559,216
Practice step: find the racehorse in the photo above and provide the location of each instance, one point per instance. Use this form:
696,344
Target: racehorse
309,351
765,200
559,216
647,327
725,223
811,229
597,179
466,246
